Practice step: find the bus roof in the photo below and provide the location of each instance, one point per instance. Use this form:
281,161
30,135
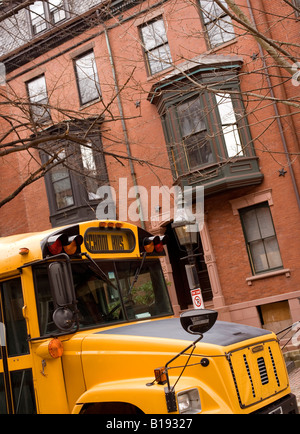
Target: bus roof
10,248
21,249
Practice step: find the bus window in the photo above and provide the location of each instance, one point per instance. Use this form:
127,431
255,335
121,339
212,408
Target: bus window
3,409
15,324
97,301
149,295
101,300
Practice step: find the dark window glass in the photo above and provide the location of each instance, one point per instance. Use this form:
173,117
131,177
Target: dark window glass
23,392
261,238
15,323
112,300
3,408
194,134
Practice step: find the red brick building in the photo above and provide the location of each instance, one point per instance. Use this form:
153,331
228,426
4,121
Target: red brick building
167,93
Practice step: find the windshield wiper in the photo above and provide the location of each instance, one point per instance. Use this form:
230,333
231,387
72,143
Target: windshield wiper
100,272
138,272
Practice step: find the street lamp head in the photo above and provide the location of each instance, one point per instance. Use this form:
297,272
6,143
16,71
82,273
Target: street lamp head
185,224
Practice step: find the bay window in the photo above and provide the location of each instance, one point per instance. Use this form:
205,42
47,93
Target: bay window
77,173
205,125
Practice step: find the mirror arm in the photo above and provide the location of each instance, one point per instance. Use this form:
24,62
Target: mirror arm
176,357
46,260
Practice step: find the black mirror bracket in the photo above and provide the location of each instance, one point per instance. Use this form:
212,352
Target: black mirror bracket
62,286
195,322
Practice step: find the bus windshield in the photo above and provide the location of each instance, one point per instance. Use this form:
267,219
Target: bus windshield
102,301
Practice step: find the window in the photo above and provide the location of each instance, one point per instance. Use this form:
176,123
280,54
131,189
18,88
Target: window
73,182
61,178
87,78
205,124
156,47
218,24
61,183
44,15
194,133
296,4
203,128
261,240
107,301
15,324
38,98
229,125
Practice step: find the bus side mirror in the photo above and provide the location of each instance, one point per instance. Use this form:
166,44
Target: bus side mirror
62,287
198,321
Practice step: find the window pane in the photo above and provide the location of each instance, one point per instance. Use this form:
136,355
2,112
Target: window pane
265,222
159,59
62,184
154,34
57,11
87,78
159,32
211,10
3,408
193,132
220,31
251,226
15,324
37,15
273,254
198,150
229,126
63,193
191,117
38,98
259,256
156,46
90,171
23,392
232,140
148,37
218,24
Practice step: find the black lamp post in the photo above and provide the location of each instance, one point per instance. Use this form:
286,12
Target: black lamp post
186,229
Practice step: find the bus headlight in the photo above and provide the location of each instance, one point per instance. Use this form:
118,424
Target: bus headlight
189,401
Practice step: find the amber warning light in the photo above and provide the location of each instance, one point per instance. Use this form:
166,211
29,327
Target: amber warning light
155,244
61,243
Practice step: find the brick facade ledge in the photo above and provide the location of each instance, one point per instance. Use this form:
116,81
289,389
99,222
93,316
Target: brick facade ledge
285,271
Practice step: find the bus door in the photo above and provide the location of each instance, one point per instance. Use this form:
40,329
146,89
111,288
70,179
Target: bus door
16,380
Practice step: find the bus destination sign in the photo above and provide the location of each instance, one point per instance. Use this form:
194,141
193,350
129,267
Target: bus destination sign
107,241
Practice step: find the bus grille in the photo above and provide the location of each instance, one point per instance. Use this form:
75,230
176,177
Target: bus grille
262,370
258,372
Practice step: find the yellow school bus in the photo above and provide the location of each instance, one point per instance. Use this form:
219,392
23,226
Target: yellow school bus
87,327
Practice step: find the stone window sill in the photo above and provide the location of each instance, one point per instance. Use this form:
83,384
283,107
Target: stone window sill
252,279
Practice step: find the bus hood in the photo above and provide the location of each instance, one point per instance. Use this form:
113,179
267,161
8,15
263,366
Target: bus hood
222,333
129,353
